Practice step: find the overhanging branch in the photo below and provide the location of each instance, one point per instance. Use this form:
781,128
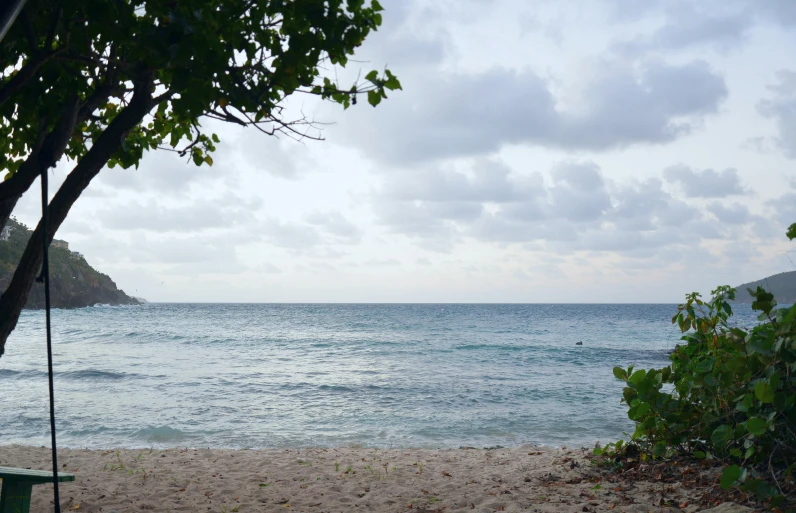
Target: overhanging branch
14,298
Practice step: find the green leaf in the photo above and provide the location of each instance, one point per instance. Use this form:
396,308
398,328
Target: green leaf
730,475
756,426
764,392
791,233
374,98
372,75
764,301
638,377
748,402
721,434
392,82
620,373
705,365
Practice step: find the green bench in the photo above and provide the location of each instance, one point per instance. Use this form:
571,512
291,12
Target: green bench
18,486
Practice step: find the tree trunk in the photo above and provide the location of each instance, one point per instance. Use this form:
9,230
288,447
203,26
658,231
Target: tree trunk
14,298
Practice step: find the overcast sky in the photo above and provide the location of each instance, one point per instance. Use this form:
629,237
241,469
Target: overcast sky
541,151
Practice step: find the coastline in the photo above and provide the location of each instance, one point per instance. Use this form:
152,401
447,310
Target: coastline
525,478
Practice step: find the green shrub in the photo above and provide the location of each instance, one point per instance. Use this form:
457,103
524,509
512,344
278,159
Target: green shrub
728,393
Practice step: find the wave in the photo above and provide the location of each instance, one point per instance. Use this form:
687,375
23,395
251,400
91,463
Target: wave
492,347
9,373
95,374
160,434
77,375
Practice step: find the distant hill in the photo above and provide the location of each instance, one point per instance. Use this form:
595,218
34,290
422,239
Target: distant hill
782,285
73,283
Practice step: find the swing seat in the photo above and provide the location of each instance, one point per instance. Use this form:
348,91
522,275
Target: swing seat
18,486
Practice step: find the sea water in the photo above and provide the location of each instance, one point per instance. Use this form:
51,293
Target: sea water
297,375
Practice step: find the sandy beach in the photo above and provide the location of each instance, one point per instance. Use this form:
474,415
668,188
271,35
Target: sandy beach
340,480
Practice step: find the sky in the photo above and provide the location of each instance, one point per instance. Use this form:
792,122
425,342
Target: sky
580,151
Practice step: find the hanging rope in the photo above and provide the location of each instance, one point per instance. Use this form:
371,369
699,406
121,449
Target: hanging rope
45,278
8,14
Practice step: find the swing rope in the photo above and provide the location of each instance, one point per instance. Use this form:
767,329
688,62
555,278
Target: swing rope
8,14
45,278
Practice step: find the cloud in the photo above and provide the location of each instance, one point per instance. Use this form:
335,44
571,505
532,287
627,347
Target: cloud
290,235
579,193
782,109
268,268
784,209
383,262
722,25
159,171
488,181
431,226
780,12
337,226
691,28
170,254
706,183
408,49
730,214
708,21
196,216
453,115
578,210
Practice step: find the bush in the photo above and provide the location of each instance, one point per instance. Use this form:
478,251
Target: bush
728,393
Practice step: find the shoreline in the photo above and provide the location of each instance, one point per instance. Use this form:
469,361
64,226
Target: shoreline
525,478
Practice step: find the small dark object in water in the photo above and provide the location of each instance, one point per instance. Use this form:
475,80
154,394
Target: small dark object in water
578,343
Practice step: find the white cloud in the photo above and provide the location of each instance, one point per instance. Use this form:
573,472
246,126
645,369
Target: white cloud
706,183
451,115
782,109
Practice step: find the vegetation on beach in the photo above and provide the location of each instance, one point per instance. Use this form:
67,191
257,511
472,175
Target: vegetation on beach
728,394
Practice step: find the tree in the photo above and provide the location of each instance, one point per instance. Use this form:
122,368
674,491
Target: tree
101,81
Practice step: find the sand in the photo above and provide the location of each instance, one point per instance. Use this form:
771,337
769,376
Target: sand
338,480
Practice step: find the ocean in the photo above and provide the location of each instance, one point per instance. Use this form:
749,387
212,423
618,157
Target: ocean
298,375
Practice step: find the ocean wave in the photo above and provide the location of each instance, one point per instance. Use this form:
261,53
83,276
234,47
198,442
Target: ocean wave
492,347
160,434
336,388
76,375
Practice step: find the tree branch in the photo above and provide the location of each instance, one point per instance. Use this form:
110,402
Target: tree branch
27,27
54,28
26,74
44,158
46,154
14,298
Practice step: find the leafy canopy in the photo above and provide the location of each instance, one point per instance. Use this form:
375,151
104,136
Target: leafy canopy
232,60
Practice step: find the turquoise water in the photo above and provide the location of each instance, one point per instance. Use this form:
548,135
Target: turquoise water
255,375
